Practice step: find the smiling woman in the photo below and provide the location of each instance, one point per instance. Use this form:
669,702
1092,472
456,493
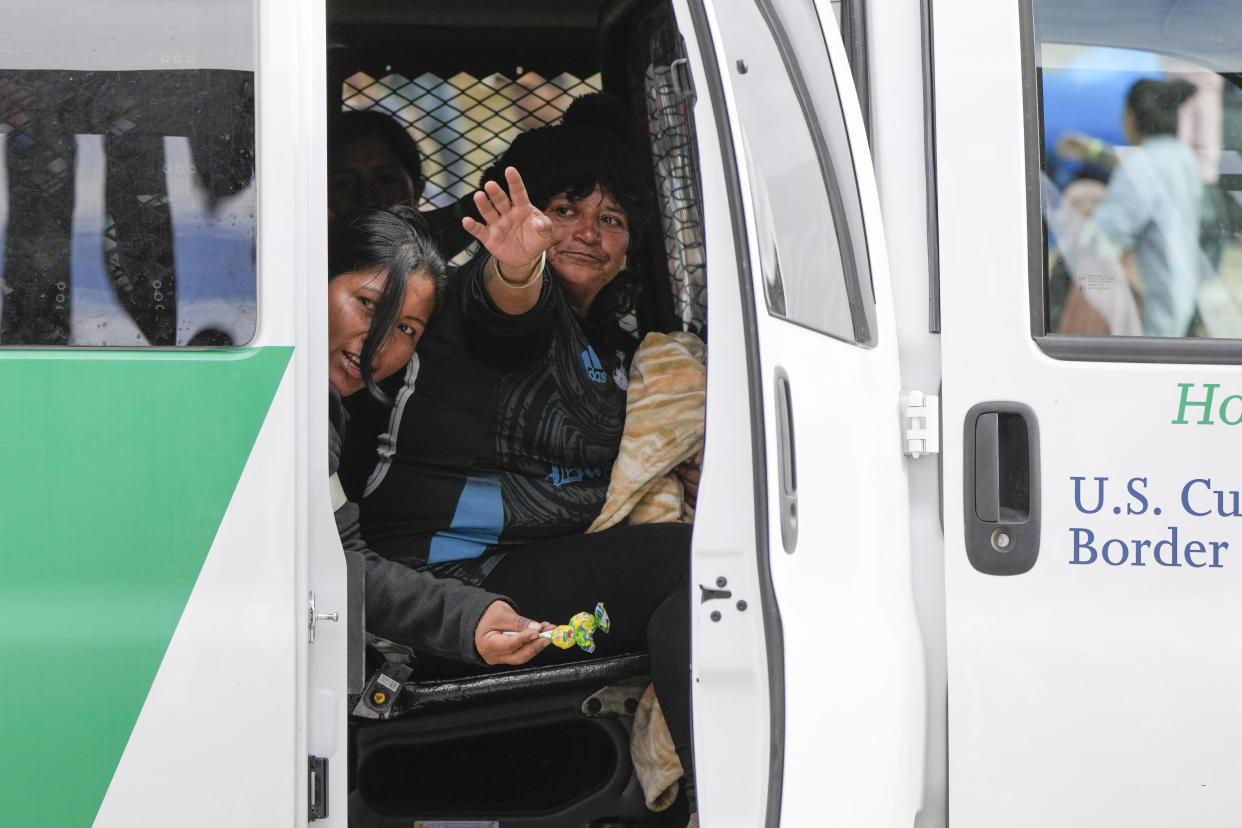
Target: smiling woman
384,273
352,301
494,465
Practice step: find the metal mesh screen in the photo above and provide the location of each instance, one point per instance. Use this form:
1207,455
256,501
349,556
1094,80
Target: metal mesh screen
463,123
668,97
677,181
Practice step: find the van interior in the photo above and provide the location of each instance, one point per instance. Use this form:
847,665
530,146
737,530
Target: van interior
535,746
548,747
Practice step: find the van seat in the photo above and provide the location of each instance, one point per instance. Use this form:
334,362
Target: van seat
419,694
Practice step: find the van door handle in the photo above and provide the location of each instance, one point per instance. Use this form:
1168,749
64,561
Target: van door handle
1002,493
787,465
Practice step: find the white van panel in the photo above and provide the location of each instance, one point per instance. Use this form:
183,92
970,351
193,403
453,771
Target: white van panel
130,34
1080,694
217,734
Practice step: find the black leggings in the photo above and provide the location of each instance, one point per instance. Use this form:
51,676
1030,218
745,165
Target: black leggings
641,574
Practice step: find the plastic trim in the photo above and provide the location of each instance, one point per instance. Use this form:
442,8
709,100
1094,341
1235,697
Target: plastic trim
929,151
854,35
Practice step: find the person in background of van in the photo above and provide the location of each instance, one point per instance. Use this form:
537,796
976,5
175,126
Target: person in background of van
493,467
1150,205
374,162
383,277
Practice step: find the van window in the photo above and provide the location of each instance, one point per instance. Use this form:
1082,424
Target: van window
1140,168
127,204
812,247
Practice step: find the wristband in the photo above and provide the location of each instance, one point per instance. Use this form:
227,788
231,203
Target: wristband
535,273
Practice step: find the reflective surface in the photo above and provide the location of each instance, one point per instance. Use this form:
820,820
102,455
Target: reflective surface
1141,170
126,199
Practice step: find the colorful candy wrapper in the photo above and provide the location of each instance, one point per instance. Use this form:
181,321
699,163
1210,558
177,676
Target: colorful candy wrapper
602,621
562,636
583,621
580,629
584,639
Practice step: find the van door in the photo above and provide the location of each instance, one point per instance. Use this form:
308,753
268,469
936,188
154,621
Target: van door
1091,481
153,580
803,384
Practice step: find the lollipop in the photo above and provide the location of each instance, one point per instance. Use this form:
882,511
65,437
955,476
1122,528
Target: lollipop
580,630
562,636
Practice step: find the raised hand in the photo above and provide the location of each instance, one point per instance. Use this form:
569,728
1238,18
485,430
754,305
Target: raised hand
513,230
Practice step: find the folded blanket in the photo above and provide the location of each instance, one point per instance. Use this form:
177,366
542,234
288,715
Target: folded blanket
663,427
655,759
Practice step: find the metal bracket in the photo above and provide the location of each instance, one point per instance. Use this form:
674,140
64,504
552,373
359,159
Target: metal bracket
317,789
382,690
616,700
920,424
682,87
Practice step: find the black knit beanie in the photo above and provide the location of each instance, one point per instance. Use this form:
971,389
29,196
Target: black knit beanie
590,146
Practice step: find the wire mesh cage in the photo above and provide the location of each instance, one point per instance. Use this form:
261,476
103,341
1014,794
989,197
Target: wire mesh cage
463,123
668,98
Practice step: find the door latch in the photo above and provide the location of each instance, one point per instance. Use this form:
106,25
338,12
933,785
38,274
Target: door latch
316,617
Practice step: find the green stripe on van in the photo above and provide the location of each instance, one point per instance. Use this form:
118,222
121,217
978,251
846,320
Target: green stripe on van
117,469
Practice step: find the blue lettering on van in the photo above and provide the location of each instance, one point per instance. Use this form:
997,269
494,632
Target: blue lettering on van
1169,546
594,369
1169,550
564,475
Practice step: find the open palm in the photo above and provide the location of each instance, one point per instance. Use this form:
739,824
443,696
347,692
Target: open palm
513,230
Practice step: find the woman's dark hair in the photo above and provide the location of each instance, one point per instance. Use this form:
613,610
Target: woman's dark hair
591,146
348,127
1154,104
396,240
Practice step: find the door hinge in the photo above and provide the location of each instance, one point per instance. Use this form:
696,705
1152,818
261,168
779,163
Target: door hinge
920,424
318,789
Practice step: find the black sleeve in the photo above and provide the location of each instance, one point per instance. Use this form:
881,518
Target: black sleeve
434,615
503,339
368,419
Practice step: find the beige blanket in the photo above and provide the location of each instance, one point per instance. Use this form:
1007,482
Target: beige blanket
663,428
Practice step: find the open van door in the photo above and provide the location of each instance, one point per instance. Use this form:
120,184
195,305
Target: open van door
1091,505
803,607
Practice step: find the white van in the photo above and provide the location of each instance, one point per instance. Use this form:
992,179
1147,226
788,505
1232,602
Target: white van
966,511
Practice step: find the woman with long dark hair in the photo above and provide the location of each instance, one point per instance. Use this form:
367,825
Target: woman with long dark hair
384,274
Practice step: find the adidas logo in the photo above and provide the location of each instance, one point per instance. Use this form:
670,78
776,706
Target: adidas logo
594,369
